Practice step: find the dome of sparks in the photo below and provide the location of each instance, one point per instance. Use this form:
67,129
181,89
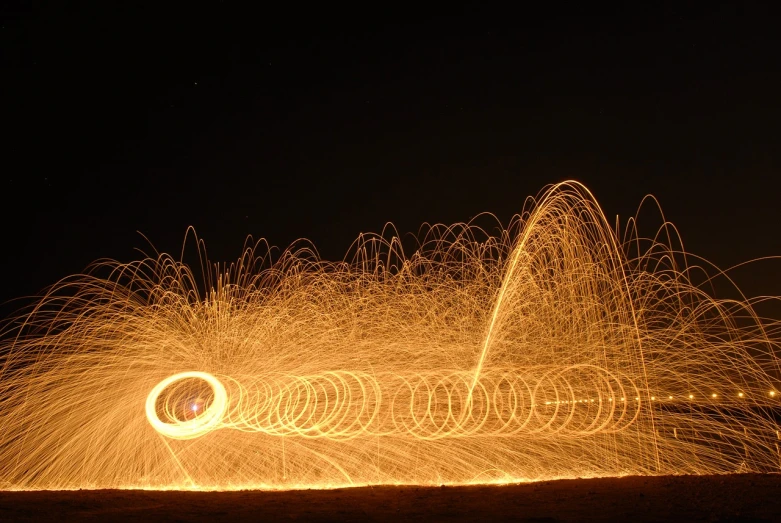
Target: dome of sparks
557,346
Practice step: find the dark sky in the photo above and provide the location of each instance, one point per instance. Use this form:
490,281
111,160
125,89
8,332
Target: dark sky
287,124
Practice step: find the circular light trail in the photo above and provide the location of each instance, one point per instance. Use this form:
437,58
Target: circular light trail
342,405
205,422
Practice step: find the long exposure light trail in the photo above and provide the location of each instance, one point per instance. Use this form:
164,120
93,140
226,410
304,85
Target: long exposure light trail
557,346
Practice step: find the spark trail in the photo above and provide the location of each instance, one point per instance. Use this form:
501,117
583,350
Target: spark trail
556,347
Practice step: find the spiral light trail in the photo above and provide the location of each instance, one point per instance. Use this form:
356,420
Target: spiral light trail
556,347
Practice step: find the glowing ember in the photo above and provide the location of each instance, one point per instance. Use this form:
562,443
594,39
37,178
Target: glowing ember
475,359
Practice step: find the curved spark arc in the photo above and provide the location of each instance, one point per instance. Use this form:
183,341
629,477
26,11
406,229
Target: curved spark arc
544,351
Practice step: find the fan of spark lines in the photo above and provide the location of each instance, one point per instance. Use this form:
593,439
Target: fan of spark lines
554,347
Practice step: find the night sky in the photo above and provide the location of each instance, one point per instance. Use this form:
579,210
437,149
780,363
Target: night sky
294,123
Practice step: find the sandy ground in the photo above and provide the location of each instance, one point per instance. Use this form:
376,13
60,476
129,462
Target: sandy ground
737,498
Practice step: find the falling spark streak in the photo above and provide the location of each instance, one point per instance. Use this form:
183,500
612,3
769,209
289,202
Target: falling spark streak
555,348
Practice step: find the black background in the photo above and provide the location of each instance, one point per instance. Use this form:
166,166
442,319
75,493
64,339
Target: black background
292,123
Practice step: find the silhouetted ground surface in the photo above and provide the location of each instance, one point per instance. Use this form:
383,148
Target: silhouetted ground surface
736,498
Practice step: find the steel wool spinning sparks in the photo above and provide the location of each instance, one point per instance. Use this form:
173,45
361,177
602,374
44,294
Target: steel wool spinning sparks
557,347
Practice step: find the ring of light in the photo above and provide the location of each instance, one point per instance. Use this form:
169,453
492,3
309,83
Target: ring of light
200,425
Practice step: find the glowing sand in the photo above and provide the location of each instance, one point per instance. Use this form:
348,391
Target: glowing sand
552,349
